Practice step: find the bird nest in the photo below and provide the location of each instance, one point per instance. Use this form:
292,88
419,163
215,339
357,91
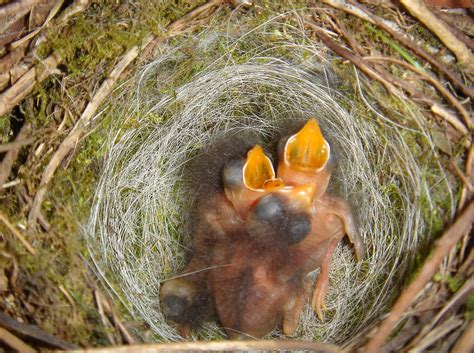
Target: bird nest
258,81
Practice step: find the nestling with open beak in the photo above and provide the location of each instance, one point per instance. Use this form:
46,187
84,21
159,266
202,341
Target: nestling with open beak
258,237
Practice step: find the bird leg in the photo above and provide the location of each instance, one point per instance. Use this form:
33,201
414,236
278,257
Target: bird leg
318,300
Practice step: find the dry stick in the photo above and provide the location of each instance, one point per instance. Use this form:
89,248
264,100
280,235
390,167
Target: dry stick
442,248
466,182
32,34
103,318
450,118
106,306
72,139
465,193
28,201
437,333
153,41
387,83
14,342
12,96
14,11
11,156
17,234
465,343
458,299
444,92
379,22
357,61
5,147
33,332
419,10
180,23
220,346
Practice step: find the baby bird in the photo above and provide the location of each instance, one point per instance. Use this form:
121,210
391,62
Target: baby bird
257,236
305,159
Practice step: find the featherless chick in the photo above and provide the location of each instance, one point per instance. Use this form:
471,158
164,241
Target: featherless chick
257,236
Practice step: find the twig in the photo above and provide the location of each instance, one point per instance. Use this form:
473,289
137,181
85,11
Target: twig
17,234
442,248
34,332
436,334
103,318
464,194
28,201
32,34
14,11
466,182
469,173
12,96
350,40
458,299
71,140
465,343
220,346
183,21
153,41
11,156
357,61
449,117
117,321
379,22
5,147
444,92
14,342
420,11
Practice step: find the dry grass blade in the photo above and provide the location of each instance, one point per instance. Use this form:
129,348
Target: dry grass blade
14,342
17,234
443,246
465,343
13,11
5,147
13,95
34,332
12,154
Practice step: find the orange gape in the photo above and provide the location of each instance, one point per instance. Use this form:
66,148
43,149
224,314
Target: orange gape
256,241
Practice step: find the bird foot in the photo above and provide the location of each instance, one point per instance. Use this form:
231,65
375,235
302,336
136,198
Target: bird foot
318,302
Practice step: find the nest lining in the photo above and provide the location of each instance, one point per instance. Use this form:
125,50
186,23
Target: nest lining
137,230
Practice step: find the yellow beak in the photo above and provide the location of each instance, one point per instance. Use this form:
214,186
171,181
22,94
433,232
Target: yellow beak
257,169
307,149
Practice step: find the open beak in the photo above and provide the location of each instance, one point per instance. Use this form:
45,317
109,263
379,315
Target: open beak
257,169
307,149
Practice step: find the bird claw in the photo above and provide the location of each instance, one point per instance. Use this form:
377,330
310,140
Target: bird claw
318,303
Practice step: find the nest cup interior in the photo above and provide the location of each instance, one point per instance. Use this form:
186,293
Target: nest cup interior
137,232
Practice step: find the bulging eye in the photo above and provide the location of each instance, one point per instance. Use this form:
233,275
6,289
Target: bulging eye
275,221
298,227
232,174
270,208
175,307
